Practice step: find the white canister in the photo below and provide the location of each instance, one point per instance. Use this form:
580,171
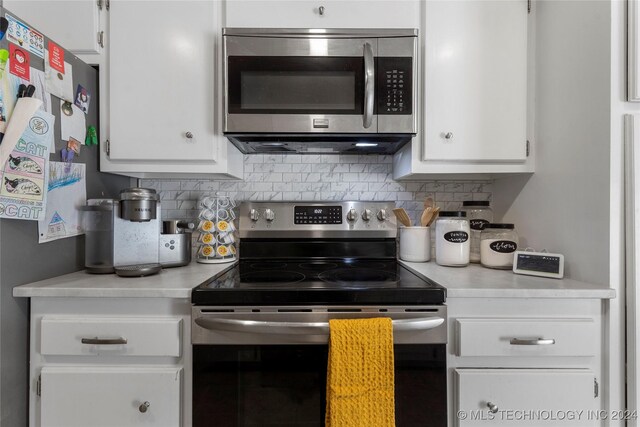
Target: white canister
452,239
415,244
498,242
479,214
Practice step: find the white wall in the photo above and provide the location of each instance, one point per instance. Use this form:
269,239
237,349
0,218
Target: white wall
564,206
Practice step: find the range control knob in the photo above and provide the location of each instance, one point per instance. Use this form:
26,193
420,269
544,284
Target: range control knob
352,215
366,215
254,215
269,215
382,215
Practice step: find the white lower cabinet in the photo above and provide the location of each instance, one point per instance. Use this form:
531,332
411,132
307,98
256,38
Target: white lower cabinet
525,397
110,362
525,362
79,396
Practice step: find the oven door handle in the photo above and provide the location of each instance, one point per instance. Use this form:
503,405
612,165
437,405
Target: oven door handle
304,328
369,85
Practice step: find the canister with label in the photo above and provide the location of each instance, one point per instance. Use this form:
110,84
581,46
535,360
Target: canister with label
497,245
452,239
479,214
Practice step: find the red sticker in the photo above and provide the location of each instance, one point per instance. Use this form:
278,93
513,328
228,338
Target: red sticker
56,57
19,61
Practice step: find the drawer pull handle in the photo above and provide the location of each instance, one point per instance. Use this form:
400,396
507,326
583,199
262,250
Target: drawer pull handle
493,408
144,407
537,341
104,341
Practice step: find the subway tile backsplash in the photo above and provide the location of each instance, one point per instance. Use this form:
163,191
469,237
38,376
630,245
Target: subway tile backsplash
315,178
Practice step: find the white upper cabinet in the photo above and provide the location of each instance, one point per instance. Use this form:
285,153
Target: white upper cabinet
74,24
473,90
161,82
163,106
475,80
323,14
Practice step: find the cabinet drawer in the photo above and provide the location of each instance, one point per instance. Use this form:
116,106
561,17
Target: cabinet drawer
525,397
526,337
108,397
130,336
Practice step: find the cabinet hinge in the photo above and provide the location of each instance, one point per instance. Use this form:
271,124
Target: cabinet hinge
99,4
108,4
101,38
108,147
528,6
528,148
39,386
595,388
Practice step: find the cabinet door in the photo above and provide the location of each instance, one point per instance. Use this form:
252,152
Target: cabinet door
162,80
74,24
525,397
110,396
475,80
334,14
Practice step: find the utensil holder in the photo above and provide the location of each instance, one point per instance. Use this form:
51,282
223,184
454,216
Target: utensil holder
415,244
216,243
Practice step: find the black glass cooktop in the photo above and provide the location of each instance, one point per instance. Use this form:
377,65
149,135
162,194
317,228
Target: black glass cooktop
317,283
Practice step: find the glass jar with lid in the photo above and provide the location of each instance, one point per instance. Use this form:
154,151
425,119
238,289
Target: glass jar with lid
498,242
452,239
479,214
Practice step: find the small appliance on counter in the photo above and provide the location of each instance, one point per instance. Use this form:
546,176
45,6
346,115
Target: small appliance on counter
175,243
123,236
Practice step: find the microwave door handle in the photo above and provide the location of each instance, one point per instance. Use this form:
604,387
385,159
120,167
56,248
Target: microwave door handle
304,328
369,85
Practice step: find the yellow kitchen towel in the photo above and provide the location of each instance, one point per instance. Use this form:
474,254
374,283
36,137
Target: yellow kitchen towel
360,377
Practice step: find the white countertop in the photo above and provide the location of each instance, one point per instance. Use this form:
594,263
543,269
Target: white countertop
473,281
169,283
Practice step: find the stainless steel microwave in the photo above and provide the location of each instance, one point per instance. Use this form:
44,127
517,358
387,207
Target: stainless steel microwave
320,90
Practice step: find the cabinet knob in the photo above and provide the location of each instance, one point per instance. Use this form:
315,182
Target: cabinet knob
189,135
493,408
321,10
448,135
144,407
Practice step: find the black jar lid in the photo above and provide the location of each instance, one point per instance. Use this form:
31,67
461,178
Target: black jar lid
502,226
475,203
457,214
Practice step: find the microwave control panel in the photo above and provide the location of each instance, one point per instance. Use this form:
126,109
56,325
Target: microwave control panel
394,83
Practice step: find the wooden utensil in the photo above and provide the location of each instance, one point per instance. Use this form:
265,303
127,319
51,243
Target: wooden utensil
434,216
428,203
426,216
402,216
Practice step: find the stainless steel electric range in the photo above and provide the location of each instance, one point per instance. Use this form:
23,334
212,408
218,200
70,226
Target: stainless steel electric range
260,328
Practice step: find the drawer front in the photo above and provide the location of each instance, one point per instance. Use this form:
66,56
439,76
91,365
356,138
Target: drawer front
526,337
525,397
109,397
92,336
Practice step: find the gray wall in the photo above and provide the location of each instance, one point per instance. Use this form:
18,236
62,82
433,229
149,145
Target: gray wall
23,260
564,206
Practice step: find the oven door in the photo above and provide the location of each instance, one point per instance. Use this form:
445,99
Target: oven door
267,366
299,85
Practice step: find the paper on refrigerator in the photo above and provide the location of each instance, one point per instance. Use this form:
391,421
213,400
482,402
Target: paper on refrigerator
67,193
72,122
25,175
